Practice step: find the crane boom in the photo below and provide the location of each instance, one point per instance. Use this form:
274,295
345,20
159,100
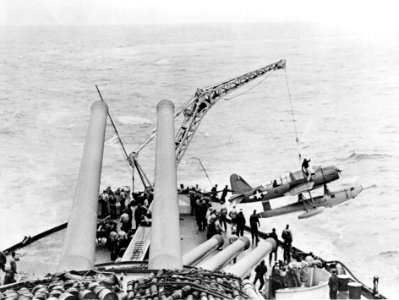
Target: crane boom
204,99
197,107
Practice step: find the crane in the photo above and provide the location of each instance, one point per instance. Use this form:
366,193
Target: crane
196,108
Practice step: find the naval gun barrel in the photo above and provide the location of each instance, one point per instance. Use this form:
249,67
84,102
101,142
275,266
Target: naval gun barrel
216,262
79,243
165,250
244,266
196,254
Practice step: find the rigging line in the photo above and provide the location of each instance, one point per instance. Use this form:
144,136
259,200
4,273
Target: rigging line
203,168
293,115
113,125
251,88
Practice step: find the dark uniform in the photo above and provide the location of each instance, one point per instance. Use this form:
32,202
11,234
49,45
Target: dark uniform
333,284
260,271
254,223
287,237
240,224
305,166
275,237
224,193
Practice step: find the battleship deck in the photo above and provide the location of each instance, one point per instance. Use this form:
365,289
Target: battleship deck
40,255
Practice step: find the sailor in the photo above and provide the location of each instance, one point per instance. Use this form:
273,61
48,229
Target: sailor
254,223
292,277
333,284
139,214
211,223
112,205
123,241
224,193
260,272
119,203
240,223
192,194
125,220
233,215
214,193
286,235
104,204
200,213
113,236
218,225
123,199
3,260
223,214
276,280
208,214
101,235
274,236
305,168
10,270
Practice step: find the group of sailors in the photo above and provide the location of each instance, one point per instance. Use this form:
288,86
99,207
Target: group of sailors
292,274
131,209
134,211
8,266
214,221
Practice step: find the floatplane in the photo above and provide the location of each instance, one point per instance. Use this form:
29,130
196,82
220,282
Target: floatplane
293,184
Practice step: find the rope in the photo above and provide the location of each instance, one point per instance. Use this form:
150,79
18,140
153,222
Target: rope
113,125
293,115
203,168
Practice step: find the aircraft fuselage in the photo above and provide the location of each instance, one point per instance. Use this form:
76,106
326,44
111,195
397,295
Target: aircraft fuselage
320,177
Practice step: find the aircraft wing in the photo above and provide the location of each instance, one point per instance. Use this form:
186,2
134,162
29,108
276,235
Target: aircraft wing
304,187
236,198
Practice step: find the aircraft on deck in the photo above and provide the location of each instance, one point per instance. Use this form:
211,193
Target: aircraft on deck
292,184
295,183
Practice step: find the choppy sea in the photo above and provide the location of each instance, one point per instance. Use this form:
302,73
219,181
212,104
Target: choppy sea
344,91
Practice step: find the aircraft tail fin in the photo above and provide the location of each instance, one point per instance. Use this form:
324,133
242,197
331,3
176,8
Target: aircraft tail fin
239,185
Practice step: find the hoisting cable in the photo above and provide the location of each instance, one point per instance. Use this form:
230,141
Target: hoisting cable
293,115
113,125
251,88
203,168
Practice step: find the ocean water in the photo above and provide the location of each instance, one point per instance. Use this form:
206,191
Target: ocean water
344,90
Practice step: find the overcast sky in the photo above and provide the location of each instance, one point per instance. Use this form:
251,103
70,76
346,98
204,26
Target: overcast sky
98,12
